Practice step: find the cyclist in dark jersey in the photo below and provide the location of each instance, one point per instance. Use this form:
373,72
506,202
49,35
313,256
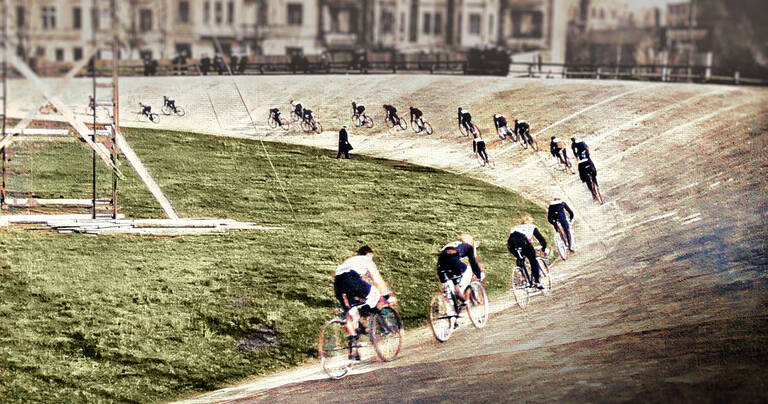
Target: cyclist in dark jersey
357,110
556,214
453,273
520,237
587,168
391,114
557,148
465,120
500,122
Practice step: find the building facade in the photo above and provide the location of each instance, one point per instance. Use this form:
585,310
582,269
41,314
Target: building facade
59,30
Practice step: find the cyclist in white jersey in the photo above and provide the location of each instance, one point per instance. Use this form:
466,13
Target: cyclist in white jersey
519,244
355,294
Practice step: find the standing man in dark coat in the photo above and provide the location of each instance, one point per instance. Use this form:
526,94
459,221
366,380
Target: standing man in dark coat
344,146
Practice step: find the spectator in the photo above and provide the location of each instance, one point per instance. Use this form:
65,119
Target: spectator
233,63
243,64
205,64
344,146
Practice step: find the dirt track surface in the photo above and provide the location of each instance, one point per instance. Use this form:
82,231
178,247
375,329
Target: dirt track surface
666,298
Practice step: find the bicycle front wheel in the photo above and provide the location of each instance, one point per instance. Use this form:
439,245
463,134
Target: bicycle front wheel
403,125
333,349
154,117
560,243
368,122
318,127
545,277
386,331
439,319
520,288
477,307
428,128
180,111
166,110
271,123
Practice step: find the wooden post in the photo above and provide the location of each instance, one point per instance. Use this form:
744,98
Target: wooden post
708,70
115,101
4,34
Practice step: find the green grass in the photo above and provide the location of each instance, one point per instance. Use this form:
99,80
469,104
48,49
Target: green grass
143,319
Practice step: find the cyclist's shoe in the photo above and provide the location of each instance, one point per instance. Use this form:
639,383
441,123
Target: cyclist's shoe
539,286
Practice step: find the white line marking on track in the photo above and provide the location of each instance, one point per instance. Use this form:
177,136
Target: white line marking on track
653,219
696,219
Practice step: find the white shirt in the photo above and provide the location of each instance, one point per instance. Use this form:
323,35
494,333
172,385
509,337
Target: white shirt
362,264
526,229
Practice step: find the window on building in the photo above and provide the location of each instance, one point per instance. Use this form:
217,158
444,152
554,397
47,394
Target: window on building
261,13
387,21
218,12
231,12
594,12
20,17
490,25
77,53
294,14
527,24
207,12
145,19
438,24
602,13
49,17
402,22
59,55
184,12
426,25
77,18
474,23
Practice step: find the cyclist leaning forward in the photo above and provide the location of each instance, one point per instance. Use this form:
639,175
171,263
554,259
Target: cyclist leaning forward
357,296
416,116
391,114
465,120
357,110
520,237
454,274
500,122
586,166
556,215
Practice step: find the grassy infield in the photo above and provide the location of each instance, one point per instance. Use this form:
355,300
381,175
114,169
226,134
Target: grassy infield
144,319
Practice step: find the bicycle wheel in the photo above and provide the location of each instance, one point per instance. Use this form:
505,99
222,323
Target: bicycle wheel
271,122
356,120
428,128
477,304
306,127
491,162
533,143
520,288
285,124
523,142
545,276
403,125
440,320
368,122
294,116
463,131
180,111
154,117
333,349
318,128
476,130
166,109
597,192
140,117
386,333
561,243
416,127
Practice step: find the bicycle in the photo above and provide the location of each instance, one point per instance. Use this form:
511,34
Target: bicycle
362,120
561,241
48,109
444,311
385,332
473,130
421,126
522,279
489,162
168,108
145,112
273,122
595,190
89,109
400,123
504,132
311,125
564,162
527,140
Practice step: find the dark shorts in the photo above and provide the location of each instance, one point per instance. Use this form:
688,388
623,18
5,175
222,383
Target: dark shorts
586,170
351,286
480,147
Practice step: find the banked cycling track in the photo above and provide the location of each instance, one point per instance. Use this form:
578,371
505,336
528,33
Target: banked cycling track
665,300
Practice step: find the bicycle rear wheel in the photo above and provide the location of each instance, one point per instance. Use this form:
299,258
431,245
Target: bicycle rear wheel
428,128
545,277
180,111
318,127
386,332
306,127
561,243
597,192
271,123
166,110
402,124
154,117
356,120
333,349
368,122
285,124
477,305
439,319
520,288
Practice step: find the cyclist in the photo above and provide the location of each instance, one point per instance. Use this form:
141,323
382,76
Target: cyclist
587,168
297,108
478,144
357,110
309,118
501,127
465,120
416,117
519,244
391,114
453,273
557,148
170,103
556,215
356,296
522,129
274,113
145,109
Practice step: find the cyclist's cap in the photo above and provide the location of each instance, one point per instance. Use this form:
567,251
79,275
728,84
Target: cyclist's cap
364,250
467,238
527,218
344,126
553,138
